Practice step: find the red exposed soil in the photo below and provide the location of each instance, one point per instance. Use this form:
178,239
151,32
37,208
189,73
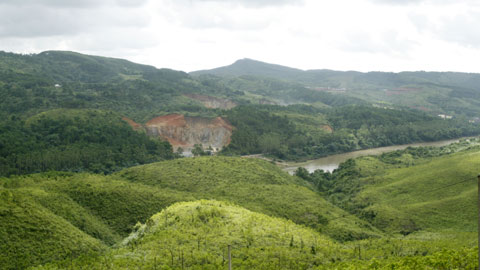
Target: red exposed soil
133,124
185,132
177,120
220,122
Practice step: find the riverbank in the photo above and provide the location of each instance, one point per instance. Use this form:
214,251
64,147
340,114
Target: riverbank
331,162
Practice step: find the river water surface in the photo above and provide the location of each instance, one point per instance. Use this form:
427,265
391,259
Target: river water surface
330,163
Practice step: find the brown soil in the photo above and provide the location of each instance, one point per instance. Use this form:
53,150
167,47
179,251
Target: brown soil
133,124
168,120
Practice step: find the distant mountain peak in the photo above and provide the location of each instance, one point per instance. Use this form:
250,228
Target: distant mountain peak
248,66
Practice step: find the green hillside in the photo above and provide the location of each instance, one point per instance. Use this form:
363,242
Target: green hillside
75,140
100,210
418,189
83,213
31,234
316,123
254,184
196,235
426,196
450,93
300,132
56,79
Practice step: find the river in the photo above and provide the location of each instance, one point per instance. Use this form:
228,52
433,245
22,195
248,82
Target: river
330,163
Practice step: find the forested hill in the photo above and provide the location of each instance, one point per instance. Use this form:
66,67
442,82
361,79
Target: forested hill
316,77
57,79
33,83
280,118
451,93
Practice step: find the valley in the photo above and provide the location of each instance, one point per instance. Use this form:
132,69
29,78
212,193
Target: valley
93,173
330,163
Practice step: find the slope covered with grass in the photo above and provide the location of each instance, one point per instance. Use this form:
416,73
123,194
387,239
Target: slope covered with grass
32,234
437,195
254,184
416,189
195,235
104,209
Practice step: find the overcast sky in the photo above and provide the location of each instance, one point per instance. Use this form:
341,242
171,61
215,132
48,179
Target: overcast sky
363,35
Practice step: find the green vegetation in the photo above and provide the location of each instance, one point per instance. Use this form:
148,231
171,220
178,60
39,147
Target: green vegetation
251,183
30,84
75,140
197,234
31,234
416,189
62,119
101,210
104,209
436,92
304,132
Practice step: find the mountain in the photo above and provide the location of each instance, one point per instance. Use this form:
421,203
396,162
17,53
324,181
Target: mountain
253,67
249,114
436,92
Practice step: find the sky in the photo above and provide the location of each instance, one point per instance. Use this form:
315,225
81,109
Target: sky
188,35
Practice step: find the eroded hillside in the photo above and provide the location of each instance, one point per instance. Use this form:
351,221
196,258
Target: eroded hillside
186,131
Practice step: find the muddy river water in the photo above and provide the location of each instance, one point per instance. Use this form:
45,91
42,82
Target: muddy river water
330,163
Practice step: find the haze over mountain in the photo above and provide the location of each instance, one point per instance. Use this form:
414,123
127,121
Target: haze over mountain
437,92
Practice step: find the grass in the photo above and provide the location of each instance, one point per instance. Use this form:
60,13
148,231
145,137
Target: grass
79,213
254,184
31,234
433,194
196,235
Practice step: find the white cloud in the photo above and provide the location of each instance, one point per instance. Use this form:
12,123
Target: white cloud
197,34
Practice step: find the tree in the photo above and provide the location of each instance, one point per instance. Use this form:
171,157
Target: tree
198,150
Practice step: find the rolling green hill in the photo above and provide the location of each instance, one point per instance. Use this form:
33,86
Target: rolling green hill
427,196
100,210
56,79
31,234
417,189
197,234
251,183
81,214
450,93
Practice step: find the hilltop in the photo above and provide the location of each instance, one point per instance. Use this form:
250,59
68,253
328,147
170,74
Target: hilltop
197,235
89,212
451,93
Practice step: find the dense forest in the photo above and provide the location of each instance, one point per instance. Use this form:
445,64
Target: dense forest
450,93
301,132
75,140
